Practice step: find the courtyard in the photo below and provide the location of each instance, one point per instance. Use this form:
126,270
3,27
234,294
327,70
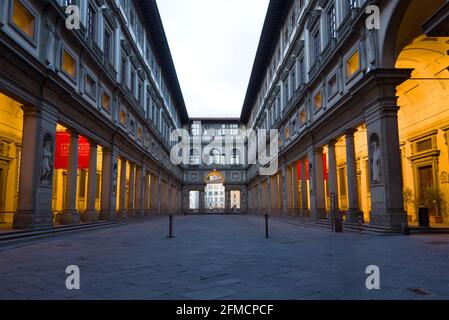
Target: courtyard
225,257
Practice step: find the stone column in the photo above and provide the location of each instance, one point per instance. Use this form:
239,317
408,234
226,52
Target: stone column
159,194
317,201
122,197
304,193
333,182
351,169
202,202
295,194
90,214
70,215
132,188
289,189
387,208
284,189
109,184
140,178
146,194
228,201
36,176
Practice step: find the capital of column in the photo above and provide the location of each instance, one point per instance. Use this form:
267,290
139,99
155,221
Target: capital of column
318,150
331,143
350,133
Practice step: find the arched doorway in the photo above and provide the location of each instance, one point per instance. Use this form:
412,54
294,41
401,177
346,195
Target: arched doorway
423,100
215,193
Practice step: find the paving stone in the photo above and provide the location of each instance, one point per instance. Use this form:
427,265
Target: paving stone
224,257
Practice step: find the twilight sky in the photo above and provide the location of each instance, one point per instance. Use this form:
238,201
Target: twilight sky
213,43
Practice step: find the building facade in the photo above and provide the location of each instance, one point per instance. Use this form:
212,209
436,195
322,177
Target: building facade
362,111
360,101
86,113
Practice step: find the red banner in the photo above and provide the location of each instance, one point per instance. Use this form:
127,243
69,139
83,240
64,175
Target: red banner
62,151
298,170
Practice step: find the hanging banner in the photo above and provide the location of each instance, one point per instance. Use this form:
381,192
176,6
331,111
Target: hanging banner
62,151
325,173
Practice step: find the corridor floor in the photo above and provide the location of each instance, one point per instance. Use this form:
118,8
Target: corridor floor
225,257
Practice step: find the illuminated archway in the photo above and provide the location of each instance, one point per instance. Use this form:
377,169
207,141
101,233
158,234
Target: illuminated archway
423,120
214,193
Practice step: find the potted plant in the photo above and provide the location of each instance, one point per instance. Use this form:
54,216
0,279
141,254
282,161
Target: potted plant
434,198
409,200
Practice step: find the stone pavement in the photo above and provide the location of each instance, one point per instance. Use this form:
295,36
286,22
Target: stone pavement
225,257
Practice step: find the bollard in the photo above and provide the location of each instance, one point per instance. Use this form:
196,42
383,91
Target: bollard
267,236
170,228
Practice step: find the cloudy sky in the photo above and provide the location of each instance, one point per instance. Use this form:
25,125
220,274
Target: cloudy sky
213,43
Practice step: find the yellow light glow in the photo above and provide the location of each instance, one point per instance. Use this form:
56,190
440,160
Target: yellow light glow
23,19
68,64
317,101
352,65
106,102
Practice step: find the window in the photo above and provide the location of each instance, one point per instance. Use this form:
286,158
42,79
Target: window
292,81
122,118
196,129
302,118
302,72
91,22
317,101
194,157
235,157
316,45
331,23
140,93
139,134
90,86
68,64
215,157
133,82
107,46
287,133
124,64
352,65
23,19
351,4
332,86
286,93
106,102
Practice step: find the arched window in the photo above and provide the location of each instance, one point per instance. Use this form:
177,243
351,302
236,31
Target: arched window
194,157
215,156
235,157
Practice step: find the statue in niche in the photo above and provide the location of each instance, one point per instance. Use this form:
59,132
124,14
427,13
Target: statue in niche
47,160
376,159
114,178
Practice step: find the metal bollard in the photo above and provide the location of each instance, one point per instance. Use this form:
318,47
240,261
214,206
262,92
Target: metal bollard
267,236
170,228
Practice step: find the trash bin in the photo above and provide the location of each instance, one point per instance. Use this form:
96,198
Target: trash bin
339,223
423,217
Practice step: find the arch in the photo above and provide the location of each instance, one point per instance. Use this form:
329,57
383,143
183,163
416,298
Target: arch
403,25
215,176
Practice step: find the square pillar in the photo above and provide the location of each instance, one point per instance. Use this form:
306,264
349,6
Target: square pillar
132,188
90,215
353,213
140,182
295,194
70,215
332,176
304,194
37,163
122,213
146,194
109,184
316,175
284,189
387,207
